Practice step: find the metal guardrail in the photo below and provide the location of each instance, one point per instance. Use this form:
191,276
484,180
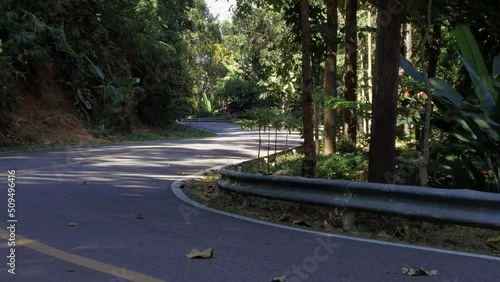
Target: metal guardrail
458,206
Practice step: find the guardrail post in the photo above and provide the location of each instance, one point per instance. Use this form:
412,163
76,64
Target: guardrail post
348,220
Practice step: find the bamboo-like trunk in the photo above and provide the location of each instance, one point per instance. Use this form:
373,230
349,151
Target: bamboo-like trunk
408,54
309,162
316,128
258,151
369,68
424,149
350,68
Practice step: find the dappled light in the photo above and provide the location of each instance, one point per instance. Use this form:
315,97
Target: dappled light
113,112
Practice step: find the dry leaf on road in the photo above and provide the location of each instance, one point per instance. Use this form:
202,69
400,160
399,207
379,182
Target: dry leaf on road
195,253
278,279
410,271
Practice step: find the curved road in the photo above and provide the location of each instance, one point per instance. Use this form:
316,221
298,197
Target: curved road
107,213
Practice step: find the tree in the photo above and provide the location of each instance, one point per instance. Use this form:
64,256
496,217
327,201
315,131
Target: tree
263,52
424,148
330,84
309,162
383,134
350,67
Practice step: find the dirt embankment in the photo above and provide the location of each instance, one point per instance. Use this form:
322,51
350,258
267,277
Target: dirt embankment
40,122
46,115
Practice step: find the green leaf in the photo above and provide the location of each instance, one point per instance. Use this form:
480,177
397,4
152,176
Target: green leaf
126,81
471,53
95,70
207,104
485,96
487,126
496,71
459,171
410,70
115,94
446,92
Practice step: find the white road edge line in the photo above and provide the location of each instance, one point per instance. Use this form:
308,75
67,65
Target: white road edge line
183,197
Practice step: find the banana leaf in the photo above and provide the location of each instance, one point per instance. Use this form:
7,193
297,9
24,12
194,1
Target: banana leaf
475,62
485,95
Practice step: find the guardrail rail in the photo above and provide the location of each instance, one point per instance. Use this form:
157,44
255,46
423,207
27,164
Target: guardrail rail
458,206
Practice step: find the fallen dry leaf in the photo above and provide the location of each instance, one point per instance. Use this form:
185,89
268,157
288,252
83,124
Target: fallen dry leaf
383,235
328,226
278,279
139,216
195,253
493,239
300,222
72,224
410,271
284,217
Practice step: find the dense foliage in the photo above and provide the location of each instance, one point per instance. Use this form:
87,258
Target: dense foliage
118,62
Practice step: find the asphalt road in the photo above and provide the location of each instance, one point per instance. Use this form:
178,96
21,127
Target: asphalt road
77,220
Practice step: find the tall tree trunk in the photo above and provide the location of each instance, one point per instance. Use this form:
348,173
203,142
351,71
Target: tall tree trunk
350,67
408,43
309,162
364,96
330,84
317,141
316,106
434,47
369,68
424,150
382,160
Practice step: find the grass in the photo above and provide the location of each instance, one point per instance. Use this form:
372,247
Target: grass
173,132
329,219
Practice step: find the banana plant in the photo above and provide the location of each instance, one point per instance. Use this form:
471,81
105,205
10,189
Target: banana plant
475,122
207,104
112,88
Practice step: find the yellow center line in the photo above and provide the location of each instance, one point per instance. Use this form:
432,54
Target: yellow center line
112,270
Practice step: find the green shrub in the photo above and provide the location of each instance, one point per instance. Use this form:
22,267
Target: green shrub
349,166
8,102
